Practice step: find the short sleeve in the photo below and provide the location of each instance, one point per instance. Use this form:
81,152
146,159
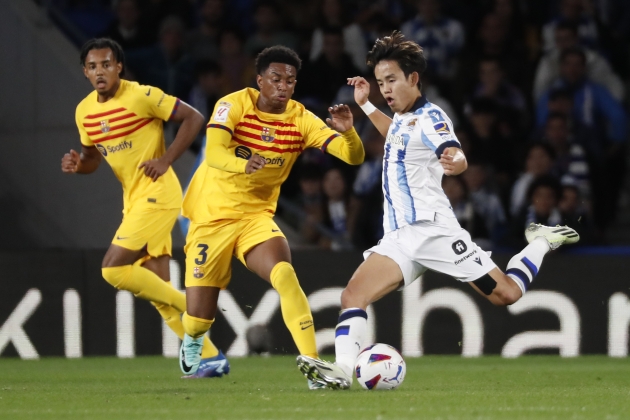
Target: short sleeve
155,103
85,139
226,115
316,133
438,132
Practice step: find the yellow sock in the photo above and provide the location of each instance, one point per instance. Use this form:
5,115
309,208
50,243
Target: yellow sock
172,318
295,310
145,284
196,327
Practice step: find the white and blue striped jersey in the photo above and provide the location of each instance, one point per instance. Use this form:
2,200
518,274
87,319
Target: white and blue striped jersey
412,175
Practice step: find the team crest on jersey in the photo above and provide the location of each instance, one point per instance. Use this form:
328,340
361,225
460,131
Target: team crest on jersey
105,126
197,273
412,123
268,134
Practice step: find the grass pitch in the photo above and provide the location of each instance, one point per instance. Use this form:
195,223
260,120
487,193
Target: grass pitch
533,387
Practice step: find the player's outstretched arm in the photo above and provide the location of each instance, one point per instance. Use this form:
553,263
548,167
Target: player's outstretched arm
191,122
361,94
84,163
453,161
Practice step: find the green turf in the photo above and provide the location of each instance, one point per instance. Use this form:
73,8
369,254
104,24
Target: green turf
534,387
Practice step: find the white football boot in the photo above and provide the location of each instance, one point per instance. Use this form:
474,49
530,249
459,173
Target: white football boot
555,236
323,373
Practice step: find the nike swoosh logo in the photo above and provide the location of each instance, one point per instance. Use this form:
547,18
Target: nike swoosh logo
148,92
308,326
120,238
185,367
275,230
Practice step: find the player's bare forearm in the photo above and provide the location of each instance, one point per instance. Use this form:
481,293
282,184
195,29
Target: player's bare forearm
380,121
453,161
191,122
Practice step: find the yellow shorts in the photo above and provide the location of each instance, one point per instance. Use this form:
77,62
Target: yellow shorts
210,247
148,229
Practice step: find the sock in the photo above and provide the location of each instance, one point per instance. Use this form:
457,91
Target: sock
295,309
195,327
172,318
145,284
524,266
349,336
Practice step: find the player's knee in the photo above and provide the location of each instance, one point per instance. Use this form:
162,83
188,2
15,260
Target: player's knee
506,295
351,299
116,276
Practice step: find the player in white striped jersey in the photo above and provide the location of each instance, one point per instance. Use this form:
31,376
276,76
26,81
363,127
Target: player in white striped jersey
421,230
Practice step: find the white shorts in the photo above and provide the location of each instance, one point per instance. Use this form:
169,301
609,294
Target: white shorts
442,246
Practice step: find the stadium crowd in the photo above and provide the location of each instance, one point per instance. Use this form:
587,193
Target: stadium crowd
536,90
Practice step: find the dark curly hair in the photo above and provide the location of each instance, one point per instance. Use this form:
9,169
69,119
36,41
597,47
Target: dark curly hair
277,54
408,54
101,44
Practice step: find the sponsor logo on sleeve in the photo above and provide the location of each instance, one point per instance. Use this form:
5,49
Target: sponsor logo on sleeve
243,152
221,114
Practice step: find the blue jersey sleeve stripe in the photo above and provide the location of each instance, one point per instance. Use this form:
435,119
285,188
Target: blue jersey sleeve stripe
328,140
212,125
450,143
428,142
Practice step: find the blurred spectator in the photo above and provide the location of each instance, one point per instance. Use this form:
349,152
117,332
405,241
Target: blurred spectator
165,65
310,199
543,196
538,163
127,28
321,79
158,10
572,11
336,210
441,37
469,219
238,68
487,143
593,105
205,93
493,85
269,30
570,162
367,197
203,41
485,201
333,14
597,68
575,213
493,41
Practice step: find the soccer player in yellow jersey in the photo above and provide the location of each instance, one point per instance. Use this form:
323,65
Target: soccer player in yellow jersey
122,122
253,139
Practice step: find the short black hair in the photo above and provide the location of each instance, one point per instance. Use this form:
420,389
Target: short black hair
408,54
546,181
277,54
567,26
556,116
102,44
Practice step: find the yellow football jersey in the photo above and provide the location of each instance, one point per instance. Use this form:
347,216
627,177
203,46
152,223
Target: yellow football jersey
279,138
128,130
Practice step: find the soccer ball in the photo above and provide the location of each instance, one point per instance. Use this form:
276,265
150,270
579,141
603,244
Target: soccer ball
380,366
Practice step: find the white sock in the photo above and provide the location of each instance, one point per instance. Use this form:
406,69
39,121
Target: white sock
524,266
349,336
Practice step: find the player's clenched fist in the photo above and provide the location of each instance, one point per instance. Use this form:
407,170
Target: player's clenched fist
361,89
70,162
254,163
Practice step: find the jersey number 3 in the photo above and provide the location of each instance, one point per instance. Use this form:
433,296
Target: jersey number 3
203,254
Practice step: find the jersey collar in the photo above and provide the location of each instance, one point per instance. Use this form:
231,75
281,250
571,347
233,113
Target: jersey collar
420,102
